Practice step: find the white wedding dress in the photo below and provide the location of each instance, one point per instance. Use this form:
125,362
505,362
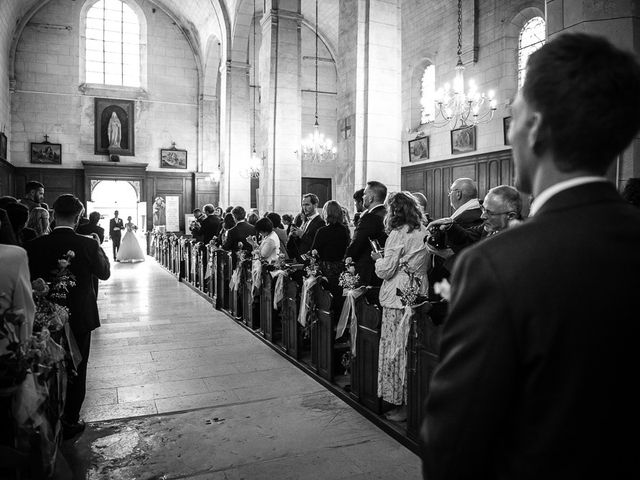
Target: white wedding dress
130,250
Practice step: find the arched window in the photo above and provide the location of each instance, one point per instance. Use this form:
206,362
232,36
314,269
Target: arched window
112,44
532,37
427,95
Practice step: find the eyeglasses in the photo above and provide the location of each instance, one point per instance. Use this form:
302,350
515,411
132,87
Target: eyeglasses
495,214
454,190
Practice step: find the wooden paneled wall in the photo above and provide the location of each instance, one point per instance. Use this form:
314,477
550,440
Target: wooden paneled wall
6,178
488,170
56,181
206,191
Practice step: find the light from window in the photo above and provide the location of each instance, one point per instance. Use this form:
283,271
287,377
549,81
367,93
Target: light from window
427,95
113,44
532,37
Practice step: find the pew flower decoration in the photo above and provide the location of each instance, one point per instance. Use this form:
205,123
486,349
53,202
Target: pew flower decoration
443,288
49,314
349,279
312,269
410,293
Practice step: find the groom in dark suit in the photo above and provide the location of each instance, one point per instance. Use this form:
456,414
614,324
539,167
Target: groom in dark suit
539,351
115,232
88,260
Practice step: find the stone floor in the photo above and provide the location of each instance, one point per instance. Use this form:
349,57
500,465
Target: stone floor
177,390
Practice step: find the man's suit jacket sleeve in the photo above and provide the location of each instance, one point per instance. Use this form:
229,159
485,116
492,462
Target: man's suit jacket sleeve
231,239
100,266
462,237
475,379
101,234
360,244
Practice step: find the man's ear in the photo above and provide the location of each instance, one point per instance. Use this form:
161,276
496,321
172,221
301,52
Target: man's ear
534,138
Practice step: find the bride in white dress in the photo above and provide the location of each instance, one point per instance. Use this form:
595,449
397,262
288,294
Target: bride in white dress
130,250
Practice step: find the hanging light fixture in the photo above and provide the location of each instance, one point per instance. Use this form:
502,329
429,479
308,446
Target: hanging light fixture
255,162
316,148
454,106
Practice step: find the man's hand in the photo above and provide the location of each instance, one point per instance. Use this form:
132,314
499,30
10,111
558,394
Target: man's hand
443,223
296,232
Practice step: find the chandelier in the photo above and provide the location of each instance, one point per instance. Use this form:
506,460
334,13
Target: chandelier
456,107
316,148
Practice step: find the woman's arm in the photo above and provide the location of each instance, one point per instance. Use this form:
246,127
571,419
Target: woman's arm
267,247
387,266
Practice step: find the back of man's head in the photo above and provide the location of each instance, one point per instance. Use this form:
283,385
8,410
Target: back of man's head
94,217
18,216
588,94
239,213
379,191
510,198
208,209
467,188
7,200
67,207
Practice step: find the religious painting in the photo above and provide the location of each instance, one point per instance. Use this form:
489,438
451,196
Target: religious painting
3,146
419,149
463,139
173,158
114,127
159,212
46,153
506,121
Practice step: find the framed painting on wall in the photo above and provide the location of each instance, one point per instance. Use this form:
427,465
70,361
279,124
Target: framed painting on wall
463,139
46,153
173,158
419,149
3,146
114,127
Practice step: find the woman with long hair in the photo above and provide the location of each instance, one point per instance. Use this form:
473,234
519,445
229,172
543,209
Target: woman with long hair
404,252
269,245
38,221
227,224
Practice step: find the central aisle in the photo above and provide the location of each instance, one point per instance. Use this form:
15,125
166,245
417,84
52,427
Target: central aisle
177,389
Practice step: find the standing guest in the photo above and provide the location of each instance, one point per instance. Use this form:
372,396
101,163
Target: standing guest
301,238
358,201
33,195
92,227
228,223
331,244
38,221
116,225
287,221
240,232
218,212
422,203
228,210
405,244
18,216
370,228
195,227
541,311
88,260
253,218
280,231
631,192
211,224
269,246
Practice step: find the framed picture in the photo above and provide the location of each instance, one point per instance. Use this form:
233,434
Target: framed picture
173,158
3,146
506,121
419,149
463,139
114,127
46,153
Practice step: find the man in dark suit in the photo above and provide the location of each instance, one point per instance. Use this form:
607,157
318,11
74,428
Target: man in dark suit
211,225
538,354
115,233
240,232
301,237
370,227
92,227
88,260
358,201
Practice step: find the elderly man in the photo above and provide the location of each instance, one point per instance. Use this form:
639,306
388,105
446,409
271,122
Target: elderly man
539,346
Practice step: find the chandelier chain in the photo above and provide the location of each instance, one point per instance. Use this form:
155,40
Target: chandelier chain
255,86
459,29
316,60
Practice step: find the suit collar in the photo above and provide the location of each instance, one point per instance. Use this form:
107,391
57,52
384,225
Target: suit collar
549,192
63,231
580,196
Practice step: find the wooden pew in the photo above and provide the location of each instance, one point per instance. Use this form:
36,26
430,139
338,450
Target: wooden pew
364,367
323,335
422,359
224,272
291,329
267,313
250,303
235,297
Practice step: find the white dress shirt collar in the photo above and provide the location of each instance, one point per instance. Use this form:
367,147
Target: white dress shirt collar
470,205
549,192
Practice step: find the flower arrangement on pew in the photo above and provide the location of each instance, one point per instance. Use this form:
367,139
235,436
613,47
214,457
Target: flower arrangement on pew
410,294
313,268
349,279
307,316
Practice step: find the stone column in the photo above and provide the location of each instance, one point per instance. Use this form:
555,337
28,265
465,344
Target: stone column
209,132
369,96
618,21
280,70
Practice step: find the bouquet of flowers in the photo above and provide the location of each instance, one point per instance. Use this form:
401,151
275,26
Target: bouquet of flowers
63,278
349,279
410,294
49,315
312,269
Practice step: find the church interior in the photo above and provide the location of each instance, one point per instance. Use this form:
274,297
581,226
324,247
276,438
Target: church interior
155,108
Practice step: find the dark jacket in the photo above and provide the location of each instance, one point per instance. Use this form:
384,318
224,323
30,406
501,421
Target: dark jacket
113,224
89,228
370,227
210,228
539,346
239,234
297,246
44,253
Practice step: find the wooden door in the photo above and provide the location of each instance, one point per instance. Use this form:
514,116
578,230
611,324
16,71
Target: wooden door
319,186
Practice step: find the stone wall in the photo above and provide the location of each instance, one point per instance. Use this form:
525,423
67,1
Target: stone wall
48,99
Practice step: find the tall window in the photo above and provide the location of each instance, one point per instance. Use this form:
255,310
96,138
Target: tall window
532,37
113,44
427,95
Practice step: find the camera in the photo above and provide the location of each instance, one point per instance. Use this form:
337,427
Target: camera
437,238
